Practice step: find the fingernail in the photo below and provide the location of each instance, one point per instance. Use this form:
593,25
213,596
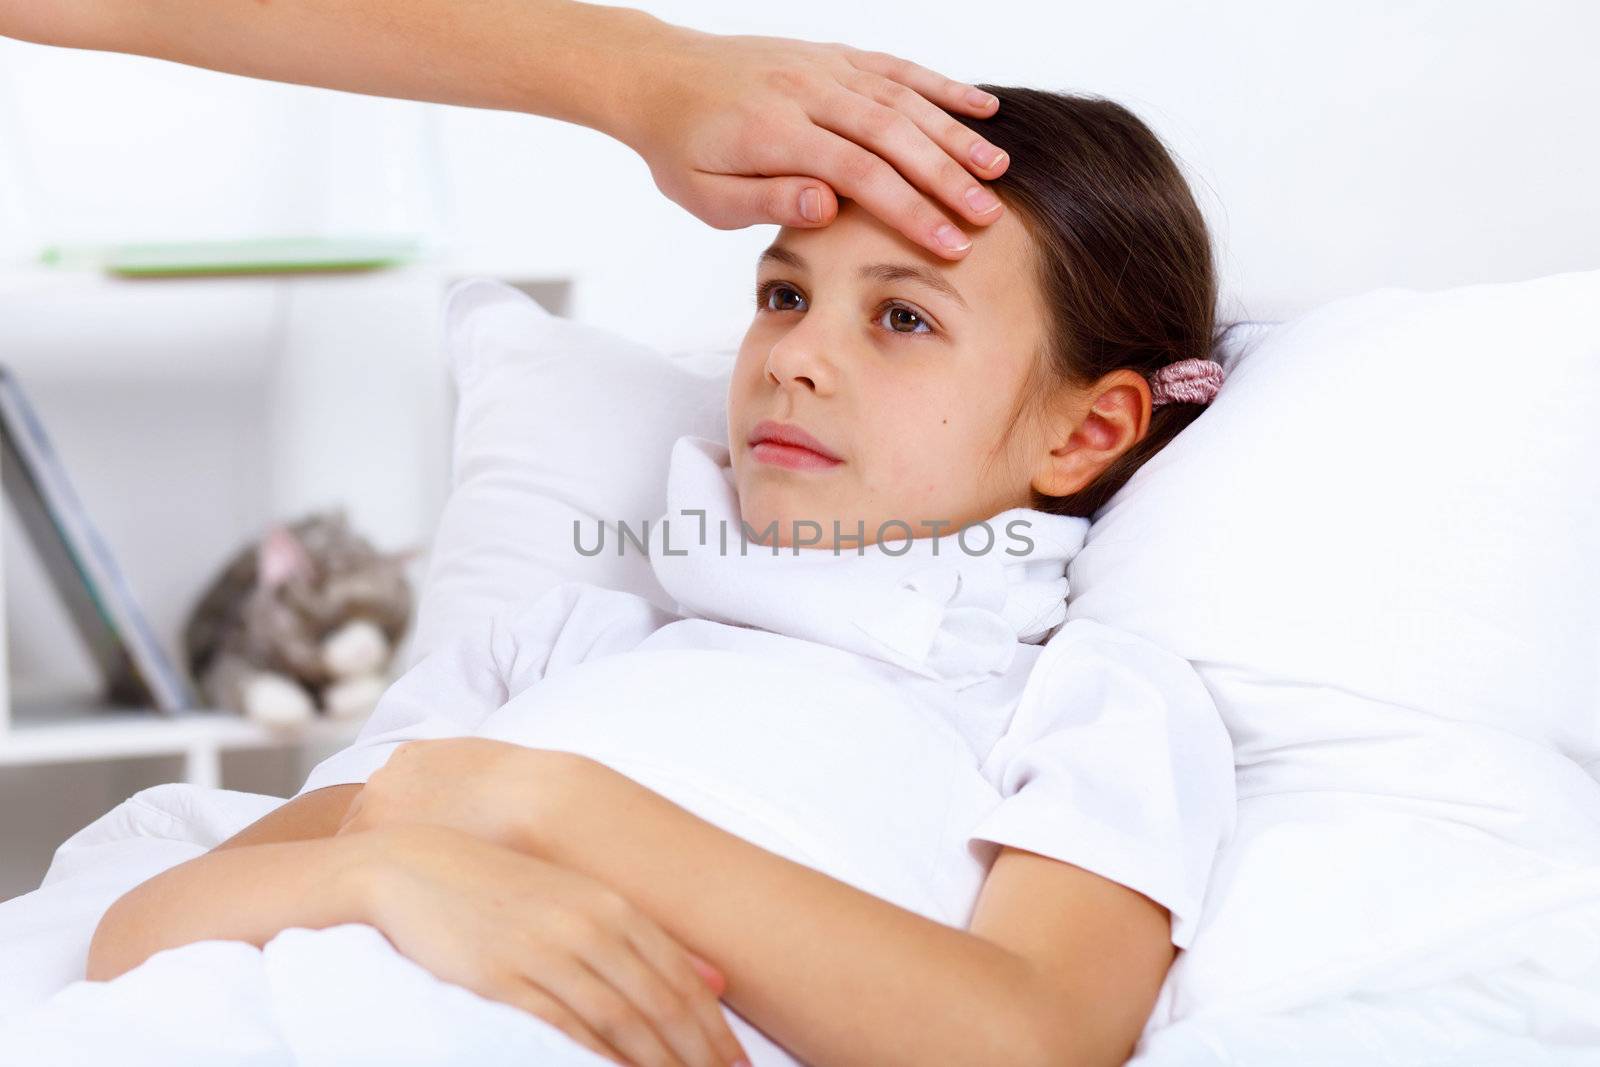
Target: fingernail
951,238
979,98
811,204
981,200
705,969
986,155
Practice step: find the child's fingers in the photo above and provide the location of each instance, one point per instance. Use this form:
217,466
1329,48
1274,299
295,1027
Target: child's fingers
535,1001
612,998
678,966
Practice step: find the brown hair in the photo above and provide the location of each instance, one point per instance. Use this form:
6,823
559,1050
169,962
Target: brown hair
1121,251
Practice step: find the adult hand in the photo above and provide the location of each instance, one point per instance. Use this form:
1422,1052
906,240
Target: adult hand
737,129
554,942
741,130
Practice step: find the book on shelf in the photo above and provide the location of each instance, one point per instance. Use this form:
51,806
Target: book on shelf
81,568
259,255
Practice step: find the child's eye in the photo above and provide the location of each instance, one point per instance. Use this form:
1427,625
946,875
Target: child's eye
767,291
904,319
896,317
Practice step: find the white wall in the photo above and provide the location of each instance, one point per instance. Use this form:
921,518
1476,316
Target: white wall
1339,146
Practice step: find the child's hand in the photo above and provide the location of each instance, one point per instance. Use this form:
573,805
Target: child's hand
490,789
552,941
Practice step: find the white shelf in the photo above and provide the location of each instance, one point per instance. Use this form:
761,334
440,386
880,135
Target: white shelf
281,372
75,731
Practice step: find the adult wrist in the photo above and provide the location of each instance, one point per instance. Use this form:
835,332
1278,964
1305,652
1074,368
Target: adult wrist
617,70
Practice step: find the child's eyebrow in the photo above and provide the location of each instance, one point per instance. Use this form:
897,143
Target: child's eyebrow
887,272
894,272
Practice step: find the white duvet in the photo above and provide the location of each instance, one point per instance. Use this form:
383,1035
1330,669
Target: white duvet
1506,977
339,996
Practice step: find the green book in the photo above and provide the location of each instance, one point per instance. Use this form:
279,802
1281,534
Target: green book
267,255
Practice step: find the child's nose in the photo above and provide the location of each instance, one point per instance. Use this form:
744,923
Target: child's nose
800,357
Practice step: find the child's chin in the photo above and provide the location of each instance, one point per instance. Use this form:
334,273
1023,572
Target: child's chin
770,517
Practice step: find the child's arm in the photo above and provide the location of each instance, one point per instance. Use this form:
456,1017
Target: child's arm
168,910
314,814
1060,967
1117,786
239,891
445,694
269,876
582,959
244,893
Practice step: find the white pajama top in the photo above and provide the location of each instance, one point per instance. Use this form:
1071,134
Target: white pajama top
889,715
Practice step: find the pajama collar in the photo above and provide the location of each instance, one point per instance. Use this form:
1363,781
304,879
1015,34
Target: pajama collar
926,604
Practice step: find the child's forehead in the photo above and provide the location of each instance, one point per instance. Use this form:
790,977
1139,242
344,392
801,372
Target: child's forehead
998,259
857,229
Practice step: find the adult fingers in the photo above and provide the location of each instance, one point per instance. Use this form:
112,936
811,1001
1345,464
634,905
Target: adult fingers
731,201
889,129
946,92
975,153
864,176
936,91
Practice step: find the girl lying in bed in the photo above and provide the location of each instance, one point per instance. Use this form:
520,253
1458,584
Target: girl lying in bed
867,796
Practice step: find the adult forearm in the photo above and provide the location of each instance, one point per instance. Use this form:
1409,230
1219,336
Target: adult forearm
571,61
248,893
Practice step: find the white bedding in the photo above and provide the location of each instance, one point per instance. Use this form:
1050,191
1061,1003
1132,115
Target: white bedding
340,996
1513,978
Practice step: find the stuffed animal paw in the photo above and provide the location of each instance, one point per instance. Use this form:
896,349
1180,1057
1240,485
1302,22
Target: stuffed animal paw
353,697
276,700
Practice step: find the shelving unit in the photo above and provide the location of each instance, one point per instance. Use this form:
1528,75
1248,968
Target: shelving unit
82,731
72,332
342,366
228,402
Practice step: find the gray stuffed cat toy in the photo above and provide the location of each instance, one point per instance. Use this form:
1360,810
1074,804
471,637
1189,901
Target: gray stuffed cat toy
303,622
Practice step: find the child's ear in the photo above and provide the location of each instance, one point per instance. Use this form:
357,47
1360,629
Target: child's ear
1087,434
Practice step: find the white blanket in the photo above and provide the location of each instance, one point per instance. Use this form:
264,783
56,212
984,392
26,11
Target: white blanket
337,997
1517,982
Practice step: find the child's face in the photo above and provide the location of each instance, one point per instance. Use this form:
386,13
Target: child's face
913,389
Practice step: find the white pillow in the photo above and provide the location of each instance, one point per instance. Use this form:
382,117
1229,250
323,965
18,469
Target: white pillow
556,423
1379,547
1397,494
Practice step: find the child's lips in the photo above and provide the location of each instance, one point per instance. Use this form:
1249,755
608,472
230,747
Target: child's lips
792,457
789,445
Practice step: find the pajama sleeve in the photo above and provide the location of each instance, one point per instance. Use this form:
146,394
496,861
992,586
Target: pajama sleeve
1116,761
454,688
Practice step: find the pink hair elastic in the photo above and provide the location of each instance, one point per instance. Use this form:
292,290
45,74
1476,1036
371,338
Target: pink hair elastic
1188,381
